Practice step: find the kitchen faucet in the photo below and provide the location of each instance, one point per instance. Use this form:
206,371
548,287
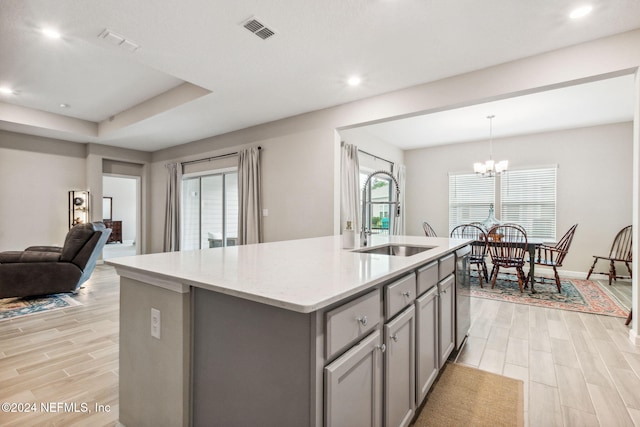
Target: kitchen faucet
365,203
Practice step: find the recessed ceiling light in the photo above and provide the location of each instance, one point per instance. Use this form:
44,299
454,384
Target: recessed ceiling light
64,105
51,33
6,90
580,12
354,80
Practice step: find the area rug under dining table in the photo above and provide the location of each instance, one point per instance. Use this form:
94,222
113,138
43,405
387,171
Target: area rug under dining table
585,296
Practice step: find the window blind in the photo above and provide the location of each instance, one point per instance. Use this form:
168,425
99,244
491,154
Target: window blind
528,198
470,196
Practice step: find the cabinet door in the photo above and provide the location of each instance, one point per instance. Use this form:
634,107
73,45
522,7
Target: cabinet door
399,373
446,308
427,365
353,385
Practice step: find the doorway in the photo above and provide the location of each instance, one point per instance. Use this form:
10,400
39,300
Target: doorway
121,213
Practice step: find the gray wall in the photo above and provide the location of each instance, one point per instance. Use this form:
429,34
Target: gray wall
594,182
36,175
297,181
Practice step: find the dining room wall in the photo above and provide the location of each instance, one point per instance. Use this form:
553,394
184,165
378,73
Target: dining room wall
594,182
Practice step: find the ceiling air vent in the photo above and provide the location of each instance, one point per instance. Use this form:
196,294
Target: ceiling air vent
258,29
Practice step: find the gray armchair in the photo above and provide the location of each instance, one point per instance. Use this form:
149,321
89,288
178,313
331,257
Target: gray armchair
44,270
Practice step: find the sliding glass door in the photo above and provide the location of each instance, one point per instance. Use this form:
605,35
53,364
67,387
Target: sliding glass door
210,211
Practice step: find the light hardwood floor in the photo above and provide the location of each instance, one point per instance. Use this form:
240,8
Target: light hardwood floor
578,369
65,356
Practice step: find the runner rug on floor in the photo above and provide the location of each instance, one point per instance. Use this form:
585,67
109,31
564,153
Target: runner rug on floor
16,307
465,396
577,295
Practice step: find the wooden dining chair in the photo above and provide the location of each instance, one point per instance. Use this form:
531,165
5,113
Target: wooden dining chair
428,230
478,247
620,252
553,256
507,249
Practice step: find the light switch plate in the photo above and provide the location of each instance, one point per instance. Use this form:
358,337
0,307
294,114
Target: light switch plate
155,323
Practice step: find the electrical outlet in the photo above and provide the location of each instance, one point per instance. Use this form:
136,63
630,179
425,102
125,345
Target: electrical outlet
155,323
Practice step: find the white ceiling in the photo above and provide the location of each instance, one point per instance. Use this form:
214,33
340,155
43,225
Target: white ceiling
588,104
199,73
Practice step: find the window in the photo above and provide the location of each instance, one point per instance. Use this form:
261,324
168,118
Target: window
470,196
528,198
209,210
379,193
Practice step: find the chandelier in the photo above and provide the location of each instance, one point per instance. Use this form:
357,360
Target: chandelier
490,167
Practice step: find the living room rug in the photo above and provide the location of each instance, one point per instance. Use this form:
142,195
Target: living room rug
15,307
465,396
584,296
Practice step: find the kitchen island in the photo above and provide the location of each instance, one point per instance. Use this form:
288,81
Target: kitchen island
259,334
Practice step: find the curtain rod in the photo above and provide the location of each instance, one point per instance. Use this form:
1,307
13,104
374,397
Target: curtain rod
369,154
208,159
375,157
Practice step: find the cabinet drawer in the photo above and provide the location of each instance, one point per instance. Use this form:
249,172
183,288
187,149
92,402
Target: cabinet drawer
399,295
446,266
427,277
351,321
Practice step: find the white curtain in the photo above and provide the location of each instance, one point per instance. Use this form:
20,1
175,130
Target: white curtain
172,210
399,222
350,186
249,197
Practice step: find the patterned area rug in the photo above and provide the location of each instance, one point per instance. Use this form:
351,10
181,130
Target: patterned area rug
577,295
15,307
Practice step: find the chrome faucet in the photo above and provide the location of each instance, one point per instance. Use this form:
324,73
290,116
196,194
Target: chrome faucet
365,203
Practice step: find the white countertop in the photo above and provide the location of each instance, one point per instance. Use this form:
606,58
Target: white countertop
299,275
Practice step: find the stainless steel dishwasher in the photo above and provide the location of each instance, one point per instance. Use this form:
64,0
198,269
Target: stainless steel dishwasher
463,295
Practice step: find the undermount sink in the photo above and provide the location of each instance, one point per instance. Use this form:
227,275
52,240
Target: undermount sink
395,250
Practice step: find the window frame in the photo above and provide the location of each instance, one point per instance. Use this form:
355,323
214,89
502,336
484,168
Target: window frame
200,175
540,183
503,183
469,206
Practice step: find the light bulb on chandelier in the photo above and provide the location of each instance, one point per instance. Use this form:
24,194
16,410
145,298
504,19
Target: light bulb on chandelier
490,167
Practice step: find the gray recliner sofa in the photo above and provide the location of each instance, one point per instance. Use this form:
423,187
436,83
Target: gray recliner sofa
45,270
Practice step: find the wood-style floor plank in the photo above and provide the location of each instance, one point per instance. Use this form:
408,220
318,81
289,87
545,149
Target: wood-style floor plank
578,369
68,356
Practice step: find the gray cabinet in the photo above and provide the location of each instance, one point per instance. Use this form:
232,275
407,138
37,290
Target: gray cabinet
446,323
427,365
399,372
353,385
390,348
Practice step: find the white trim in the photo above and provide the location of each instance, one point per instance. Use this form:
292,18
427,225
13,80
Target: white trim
153,280
229,169
633,337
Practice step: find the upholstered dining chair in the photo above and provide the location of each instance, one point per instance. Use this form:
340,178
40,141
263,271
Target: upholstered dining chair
478,247
553,256
507,249
428,230
620,252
